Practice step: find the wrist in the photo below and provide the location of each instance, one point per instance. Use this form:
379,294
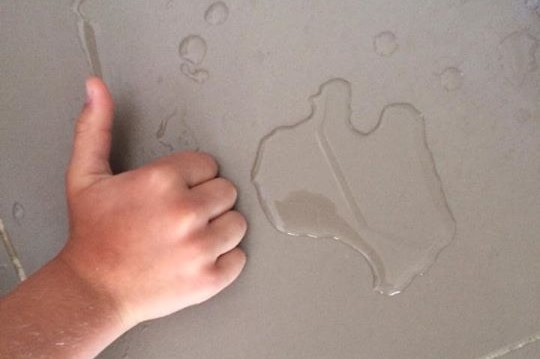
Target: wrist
97,280
94,300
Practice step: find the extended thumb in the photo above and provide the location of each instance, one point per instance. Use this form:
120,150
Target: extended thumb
92,141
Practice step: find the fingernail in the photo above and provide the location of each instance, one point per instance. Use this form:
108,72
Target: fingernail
89,95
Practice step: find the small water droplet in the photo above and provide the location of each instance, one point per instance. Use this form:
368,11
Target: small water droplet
167,145
451,78
518,56
174,133
192,49
195,74
385,43
217,13
163,125
18,212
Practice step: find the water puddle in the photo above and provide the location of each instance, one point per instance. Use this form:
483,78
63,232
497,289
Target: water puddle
377,191
87,39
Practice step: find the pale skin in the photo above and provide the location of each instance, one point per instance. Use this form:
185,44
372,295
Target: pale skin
142,244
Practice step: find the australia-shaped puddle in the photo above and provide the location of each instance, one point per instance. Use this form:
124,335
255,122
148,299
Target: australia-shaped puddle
377,191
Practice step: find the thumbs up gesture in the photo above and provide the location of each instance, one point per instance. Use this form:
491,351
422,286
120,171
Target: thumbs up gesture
156,239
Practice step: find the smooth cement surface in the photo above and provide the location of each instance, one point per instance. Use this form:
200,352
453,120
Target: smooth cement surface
387,155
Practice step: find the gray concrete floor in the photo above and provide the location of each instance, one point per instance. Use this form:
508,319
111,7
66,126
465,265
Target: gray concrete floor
221,79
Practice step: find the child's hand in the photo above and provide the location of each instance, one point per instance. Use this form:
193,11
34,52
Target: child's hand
155,239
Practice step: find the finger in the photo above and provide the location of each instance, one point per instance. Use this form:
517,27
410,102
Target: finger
229,266
214,197
225,232
92,140
194,167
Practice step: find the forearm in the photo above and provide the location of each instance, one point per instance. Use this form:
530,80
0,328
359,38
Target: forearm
55,314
